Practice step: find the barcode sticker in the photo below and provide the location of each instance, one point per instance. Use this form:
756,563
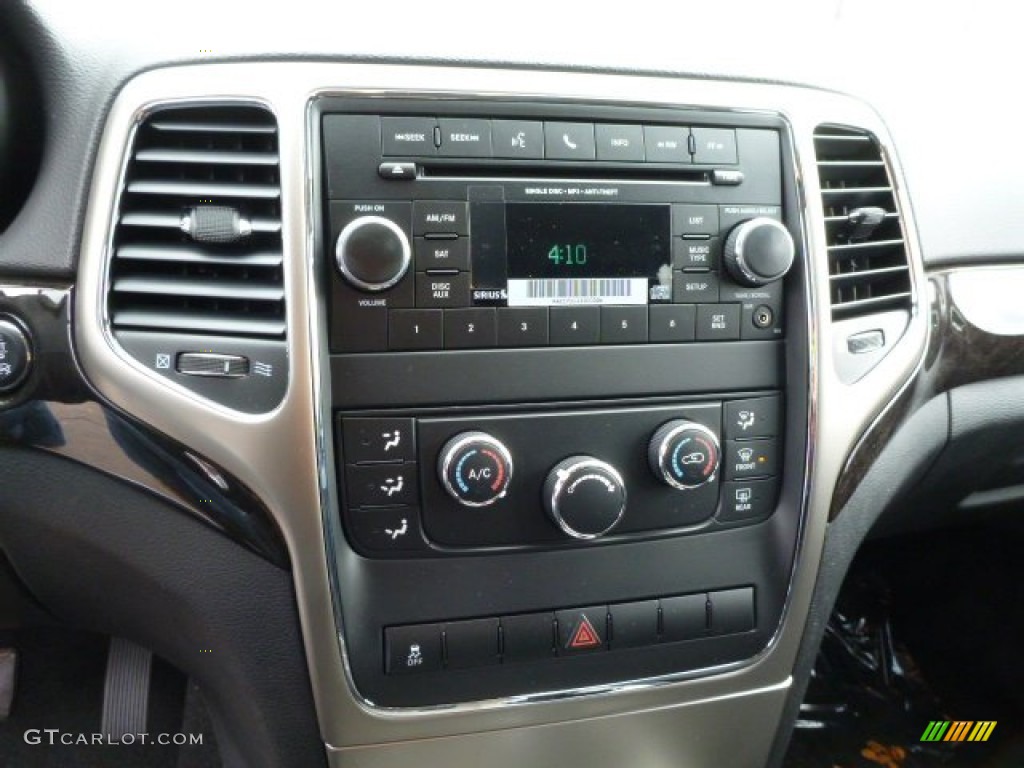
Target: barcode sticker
592,290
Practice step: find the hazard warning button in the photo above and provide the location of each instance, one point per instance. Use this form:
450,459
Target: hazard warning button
582,630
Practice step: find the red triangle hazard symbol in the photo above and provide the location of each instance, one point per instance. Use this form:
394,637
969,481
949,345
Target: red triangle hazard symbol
585,635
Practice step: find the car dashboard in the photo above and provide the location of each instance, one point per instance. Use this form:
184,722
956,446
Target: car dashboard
478,408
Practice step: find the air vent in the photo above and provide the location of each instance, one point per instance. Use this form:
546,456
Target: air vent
867,254
197,248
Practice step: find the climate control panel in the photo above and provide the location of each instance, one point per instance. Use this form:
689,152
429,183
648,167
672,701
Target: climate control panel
422,485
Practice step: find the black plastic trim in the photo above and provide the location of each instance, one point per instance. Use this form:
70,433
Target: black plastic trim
539,374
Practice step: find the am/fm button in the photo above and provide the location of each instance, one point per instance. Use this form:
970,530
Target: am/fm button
441,217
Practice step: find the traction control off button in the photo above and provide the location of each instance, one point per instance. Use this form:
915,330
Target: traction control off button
413,649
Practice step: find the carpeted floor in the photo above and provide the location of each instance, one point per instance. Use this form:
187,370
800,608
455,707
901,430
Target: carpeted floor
60,686
927,628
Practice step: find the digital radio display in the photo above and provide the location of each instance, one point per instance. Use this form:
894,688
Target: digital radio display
587,253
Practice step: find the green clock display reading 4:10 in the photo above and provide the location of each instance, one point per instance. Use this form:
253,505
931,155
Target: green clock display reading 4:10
568,254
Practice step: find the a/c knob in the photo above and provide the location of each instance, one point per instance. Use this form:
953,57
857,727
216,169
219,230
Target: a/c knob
475,469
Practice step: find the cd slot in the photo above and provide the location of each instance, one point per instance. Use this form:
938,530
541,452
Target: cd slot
590,171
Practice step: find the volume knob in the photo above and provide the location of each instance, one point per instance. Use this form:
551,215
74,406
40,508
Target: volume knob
758,251
584,496
372,253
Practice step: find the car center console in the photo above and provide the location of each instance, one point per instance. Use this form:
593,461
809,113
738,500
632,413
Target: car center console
571,365
568,430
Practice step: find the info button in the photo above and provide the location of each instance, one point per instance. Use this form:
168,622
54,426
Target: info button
620,142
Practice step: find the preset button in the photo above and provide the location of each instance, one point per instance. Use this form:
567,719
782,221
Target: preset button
522,326
469,328
415,329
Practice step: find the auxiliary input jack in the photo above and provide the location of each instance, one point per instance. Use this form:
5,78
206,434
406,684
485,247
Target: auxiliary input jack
763,317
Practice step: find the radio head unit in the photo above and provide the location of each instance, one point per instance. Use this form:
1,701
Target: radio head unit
559,391
480,232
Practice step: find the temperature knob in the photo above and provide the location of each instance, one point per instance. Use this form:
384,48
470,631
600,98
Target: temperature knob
758,251
684,454
475,469
372,253
585,496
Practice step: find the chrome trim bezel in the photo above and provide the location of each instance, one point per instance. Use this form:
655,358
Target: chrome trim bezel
299,485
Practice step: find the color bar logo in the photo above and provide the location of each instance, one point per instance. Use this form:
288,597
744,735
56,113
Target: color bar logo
958,730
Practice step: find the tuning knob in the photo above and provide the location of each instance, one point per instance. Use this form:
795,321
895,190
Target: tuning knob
372,253
758,251
584,496
684,454
475,469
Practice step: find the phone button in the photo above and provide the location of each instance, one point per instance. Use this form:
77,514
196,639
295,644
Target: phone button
569,141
